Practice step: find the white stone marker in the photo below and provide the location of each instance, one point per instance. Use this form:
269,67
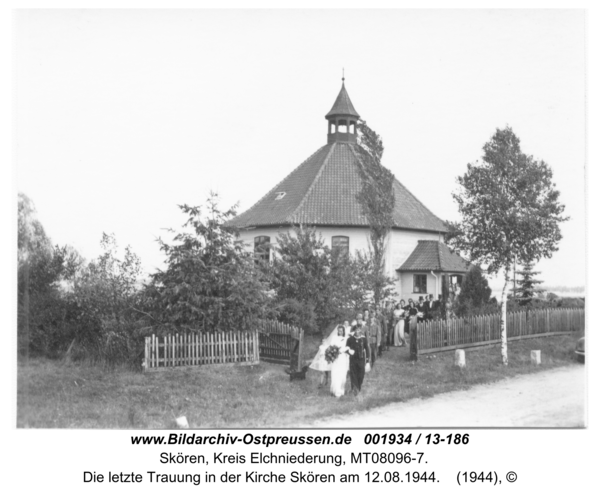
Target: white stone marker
182,422
536,357
459,358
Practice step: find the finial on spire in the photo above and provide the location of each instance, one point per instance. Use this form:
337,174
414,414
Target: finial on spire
343,76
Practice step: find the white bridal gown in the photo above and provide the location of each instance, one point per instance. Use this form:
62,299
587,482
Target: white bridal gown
339,368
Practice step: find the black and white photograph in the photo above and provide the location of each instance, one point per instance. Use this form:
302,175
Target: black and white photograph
299,219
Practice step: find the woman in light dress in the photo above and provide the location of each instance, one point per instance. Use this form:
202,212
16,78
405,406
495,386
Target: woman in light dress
319,363
341,365
399,322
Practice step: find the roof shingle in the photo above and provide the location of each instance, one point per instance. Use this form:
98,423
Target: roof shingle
342,105
322,191
433,256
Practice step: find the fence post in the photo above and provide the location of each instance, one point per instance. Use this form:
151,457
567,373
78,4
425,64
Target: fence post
146,352
414,343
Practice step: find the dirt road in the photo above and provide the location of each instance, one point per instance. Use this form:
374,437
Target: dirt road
554,398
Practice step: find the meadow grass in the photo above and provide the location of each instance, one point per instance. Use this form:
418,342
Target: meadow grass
53,394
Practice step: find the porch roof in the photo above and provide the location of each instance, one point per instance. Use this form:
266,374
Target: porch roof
434,256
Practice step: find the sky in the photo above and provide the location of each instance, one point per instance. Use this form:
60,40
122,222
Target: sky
121,115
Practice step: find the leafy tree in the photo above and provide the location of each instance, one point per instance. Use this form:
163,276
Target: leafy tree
32,239
211,282
43,269
377,201
300,272
510,211
314,286
474,294
104,295
110,284
526,289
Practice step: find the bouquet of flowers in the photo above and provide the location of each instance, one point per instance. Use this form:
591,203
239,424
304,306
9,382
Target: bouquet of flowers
419,315
331,353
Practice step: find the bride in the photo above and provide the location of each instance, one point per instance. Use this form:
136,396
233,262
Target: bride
339,367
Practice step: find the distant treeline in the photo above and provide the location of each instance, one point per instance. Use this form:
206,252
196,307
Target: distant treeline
562,288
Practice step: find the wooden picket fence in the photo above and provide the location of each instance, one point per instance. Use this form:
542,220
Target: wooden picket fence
196,349
281,343
442,335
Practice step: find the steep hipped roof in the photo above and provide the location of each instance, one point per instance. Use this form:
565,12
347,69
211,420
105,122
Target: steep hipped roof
436,256
322,191
343,105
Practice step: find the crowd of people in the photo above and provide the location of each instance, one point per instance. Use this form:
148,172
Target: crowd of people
352,348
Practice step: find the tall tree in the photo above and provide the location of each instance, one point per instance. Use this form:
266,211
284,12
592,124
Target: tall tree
211,282
102,299
377,201
526,285
315,286
108,286
510,211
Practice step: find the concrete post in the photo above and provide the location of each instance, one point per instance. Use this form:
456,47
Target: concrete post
182,422
459,358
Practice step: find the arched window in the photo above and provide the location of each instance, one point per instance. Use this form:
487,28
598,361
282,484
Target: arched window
340,245
262,247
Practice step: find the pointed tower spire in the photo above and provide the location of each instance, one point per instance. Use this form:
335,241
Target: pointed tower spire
342,118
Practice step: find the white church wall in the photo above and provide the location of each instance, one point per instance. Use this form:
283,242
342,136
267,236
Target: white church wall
407,286
400,245
358,238
404,243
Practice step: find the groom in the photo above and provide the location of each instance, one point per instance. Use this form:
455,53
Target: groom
359,353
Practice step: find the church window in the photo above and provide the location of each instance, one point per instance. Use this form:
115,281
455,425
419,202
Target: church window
340,244
419,284
262,247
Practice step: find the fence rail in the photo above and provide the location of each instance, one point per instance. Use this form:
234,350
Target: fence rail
196,349
440,335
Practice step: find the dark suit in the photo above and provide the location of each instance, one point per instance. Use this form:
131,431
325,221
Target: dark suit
426,310
360,346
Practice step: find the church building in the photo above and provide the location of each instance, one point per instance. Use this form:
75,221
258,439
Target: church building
321,193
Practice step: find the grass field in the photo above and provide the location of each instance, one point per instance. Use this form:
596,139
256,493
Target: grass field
56,395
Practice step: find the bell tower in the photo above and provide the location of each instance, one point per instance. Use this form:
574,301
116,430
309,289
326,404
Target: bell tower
342,119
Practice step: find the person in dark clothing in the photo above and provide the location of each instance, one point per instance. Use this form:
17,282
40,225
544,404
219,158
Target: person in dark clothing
384,332
435,305
427,307
391,322
410,311
421,308
359,354
374,338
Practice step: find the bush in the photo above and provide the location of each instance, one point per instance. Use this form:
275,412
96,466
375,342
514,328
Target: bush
315,287
299,314
474,295
211,283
